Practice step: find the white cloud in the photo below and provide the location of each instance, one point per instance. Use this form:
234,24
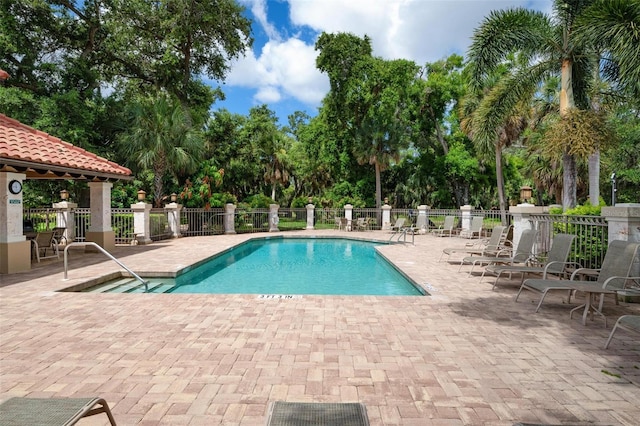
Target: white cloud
419,30
281,70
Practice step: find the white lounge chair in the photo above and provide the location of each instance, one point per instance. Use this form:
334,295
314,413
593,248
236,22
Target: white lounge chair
447,227
556,263
522,253
487,247
475,230
612,277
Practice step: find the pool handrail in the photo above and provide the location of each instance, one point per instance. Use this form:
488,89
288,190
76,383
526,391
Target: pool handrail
109,255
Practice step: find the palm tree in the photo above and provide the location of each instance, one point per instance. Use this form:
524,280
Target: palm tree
611,27
548,48
160,139
507,133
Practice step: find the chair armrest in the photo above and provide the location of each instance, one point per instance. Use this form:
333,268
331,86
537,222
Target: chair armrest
556,262
585,271
608,281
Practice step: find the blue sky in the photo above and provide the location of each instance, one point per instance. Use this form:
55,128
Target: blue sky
279,70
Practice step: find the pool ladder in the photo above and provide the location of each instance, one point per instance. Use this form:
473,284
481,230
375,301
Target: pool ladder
402,233
109,255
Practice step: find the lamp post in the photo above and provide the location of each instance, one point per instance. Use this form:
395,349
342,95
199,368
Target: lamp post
174,197
525,193
141,196
613,189
64,195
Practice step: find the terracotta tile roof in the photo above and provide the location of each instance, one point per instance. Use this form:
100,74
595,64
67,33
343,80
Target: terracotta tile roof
32,149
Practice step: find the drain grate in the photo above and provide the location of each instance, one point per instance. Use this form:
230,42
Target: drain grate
317,414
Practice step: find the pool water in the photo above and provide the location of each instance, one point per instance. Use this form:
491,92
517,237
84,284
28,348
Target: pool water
298,266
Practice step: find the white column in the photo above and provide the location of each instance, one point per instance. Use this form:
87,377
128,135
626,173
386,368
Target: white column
100,230
310,215
521,219
12,210
173,216
273,218
624,221
142,222
348,214
15,250
229,215
466,216
386,217
624,224
422,221
65,218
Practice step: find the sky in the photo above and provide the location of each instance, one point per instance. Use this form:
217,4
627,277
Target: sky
279,70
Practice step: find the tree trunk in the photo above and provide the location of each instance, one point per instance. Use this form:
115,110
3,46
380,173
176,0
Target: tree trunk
569,193
378,186
157,189
594,178
273,192
569,173
500,185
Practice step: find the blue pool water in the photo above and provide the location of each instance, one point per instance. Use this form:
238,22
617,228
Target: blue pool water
298,266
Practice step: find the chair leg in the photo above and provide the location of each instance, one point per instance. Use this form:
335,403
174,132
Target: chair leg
613,331
544,294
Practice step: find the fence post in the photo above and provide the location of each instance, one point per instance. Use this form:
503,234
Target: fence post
173,217
522,219
421,221
65,218
228,218
465,213
386,217
624,224
142,222
273,218
310,214
348,214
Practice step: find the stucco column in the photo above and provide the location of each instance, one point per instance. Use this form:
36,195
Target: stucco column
386,217
65,218
348,214
142,222
15,250
521,220
273,218
624,224
465,213
228,218
310,215
624,221
173,217
422,222
100,230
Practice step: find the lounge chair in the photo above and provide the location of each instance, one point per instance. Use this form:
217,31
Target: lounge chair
475,230
626,322
42,242
612,278
556,263
487,247
362,224
507,256
447,227
51,411
398,225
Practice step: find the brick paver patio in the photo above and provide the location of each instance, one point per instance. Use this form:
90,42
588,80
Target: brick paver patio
466,355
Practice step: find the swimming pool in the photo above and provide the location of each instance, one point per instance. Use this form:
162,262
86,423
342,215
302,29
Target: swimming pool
298,266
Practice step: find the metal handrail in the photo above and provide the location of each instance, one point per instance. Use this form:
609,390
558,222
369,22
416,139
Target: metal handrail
109,255
402,233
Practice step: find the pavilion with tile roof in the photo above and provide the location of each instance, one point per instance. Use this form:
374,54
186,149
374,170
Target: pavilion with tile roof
27,153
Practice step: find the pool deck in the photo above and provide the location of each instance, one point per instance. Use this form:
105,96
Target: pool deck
466,355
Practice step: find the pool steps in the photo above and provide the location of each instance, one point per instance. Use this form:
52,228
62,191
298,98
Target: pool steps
131,285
